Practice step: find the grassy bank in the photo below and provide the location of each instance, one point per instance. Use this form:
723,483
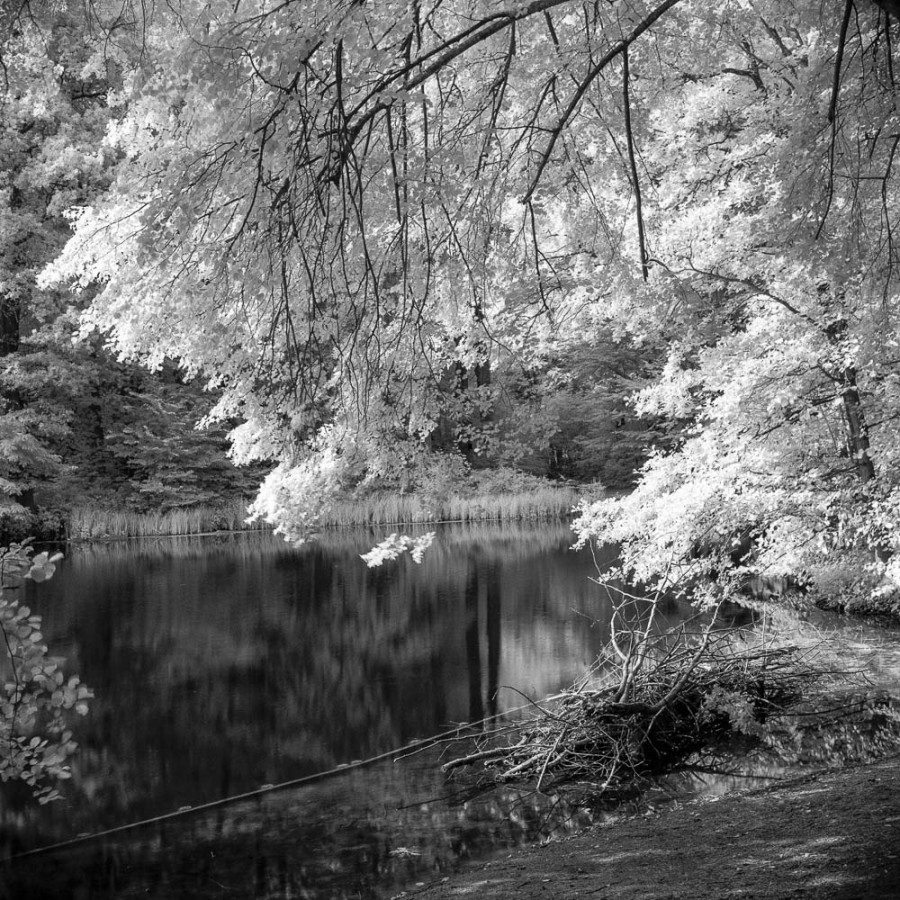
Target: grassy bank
542,502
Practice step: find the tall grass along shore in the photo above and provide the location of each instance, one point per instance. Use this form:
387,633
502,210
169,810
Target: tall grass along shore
86,523
544,502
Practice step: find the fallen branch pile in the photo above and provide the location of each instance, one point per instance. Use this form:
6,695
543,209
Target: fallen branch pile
647,709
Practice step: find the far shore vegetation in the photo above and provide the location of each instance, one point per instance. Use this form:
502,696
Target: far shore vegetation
537,500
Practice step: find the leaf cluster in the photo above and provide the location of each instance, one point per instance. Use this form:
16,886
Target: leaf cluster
36,696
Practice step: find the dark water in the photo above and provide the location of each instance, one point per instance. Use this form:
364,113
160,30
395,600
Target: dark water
224,665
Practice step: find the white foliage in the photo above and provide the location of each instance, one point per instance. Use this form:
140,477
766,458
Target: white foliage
395,545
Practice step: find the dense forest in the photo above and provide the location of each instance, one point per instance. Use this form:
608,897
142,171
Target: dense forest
375,246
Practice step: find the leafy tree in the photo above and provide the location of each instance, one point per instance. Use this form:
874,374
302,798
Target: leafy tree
324,208
328,195
159,459
572,417
77,425
52,118
775,288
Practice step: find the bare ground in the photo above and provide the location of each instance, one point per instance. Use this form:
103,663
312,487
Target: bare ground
829,835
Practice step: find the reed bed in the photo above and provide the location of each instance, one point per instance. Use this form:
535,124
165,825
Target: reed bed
546,502
653,707
542,503
90,523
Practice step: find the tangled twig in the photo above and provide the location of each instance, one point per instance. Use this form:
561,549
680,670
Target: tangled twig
649,708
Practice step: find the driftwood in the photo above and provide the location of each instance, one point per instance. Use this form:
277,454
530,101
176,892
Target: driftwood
647,709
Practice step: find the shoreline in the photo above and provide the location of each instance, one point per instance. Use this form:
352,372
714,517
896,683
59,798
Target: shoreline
830,834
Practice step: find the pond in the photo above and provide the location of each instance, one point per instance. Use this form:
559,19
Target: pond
223,666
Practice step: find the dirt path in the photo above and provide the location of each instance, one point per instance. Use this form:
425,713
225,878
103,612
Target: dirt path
829,836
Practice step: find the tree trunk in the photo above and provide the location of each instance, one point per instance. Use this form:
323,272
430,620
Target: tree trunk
9,326
857,429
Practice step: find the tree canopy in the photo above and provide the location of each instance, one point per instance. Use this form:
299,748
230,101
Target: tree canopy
76,425
325,208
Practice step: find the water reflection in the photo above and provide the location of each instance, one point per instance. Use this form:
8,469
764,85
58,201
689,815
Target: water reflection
223,665
219,666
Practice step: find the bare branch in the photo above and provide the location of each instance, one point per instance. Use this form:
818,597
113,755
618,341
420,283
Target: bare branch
838,61
635,181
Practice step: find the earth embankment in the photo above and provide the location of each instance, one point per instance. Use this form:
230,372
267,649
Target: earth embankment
829,835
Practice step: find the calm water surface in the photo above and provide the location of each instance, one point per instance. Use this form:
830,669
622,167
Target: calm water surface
223,665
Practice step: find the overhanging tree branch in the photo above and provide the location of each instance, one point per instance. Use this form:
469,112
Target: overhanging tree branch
619,47
635,181
444,54
832,112
838,61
